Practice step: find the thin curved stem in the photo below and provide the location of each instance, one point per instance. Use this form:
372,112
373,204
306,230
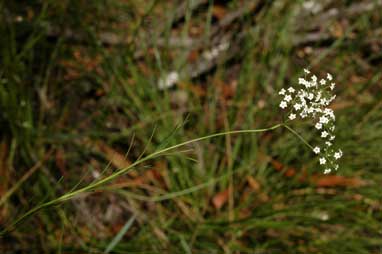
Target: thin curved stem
120,172
298,135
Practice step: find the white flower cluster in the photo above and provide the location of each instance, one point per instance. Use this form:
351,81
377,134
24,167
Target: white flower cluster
312,101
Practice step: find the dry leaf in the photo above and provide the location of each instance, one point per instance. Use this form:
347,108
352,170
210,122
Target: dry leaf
144,69
289,172
227,90
335,180
197,89
220,199
193,56
253,183
277,165
321,180
219,11
60,161
4,170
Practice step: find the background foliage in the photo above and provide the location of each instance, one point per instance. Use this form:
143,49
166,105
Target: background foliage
79,87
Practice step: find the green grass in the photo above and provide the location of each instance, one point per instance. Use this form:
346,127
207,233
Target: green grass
60,97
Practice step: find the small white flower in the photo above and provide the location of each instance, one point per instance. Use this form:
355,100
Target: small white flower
338,155
283,104
323,102
328,111
288,98
302,81
292,116
301,95
312,100
324,134
316,150
318,97
324,120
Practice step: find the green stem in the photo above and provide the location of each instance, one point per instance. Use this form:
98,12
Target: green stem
298,135
120,172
